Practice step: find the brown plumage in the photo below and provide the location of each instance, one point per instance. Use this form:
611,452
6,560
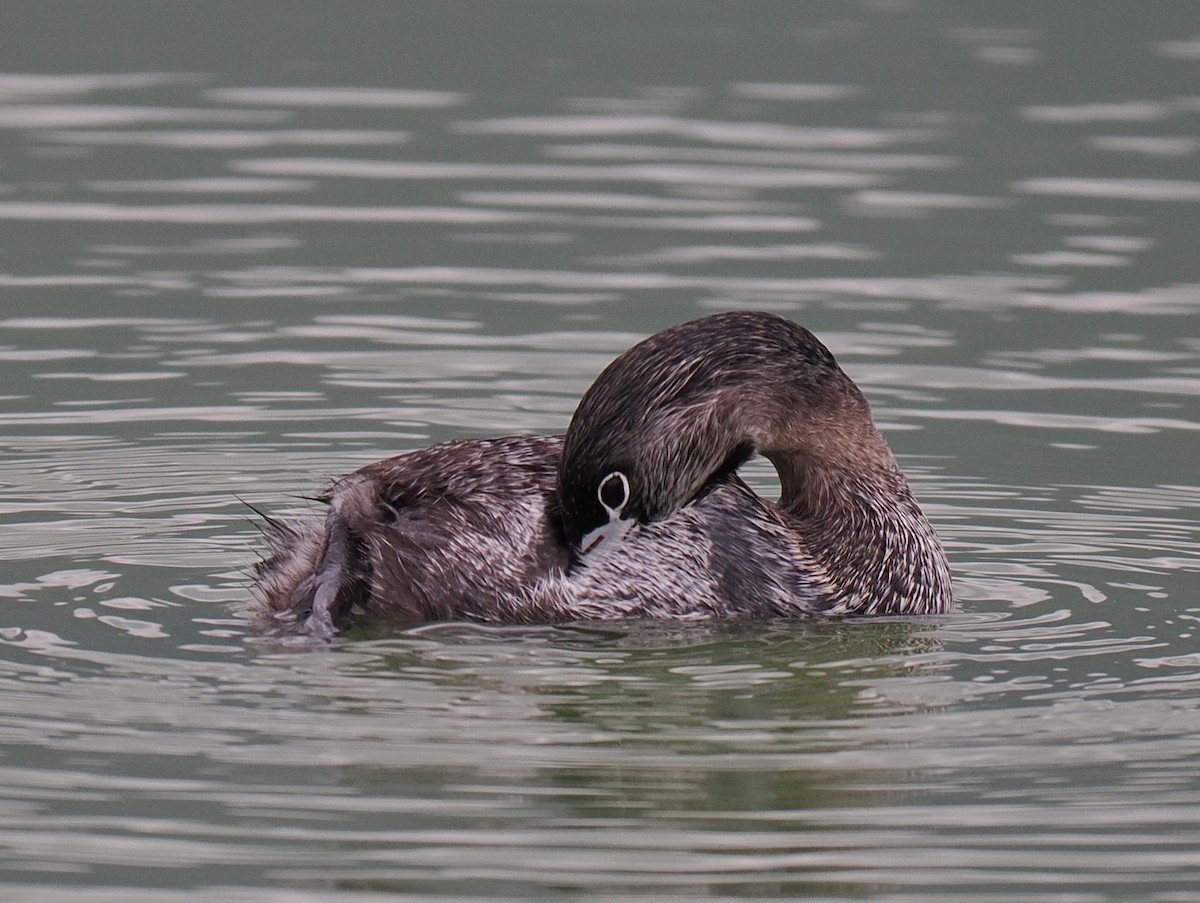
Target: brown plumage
638,511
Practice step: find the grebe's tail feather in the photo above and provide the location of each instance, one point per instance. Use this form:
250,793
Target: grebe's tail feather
311,578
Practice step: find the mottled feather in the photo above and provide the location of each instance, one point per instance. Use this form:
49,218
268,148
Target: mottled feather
489,530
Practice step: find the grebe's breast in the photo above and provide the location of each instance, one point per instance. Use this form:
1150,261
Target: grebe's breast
728,553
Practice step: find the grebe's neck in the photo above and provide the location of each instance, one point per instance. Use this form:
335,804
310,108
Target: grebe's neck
861,524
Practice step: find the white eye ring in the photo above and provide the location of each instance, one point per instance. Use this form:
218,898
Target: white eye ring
615,528
614,511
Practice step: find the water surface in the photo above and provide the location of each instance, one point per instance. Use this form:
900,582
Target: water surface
242,252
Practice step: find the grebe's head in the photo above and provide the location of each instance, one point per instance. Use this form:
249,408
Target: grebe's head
692,403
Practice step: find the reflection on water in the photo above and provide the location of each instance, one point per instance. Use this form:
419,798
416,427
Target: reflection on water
232,268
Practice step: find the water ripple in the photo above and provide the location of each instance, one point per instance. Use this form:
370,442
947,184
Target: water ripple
1123,189
59,116
767,134
337,97
672,174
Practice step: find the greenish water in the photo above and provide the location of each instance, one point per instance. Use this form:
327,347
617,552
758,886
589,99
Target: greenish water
246,247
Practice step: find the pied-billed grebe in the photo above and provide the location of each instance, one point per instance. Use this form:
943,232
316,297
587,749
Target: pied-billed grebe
638,511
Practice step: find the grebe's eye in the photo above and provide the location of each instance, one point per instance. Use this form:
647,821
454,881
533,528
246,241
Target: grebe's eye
614,493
